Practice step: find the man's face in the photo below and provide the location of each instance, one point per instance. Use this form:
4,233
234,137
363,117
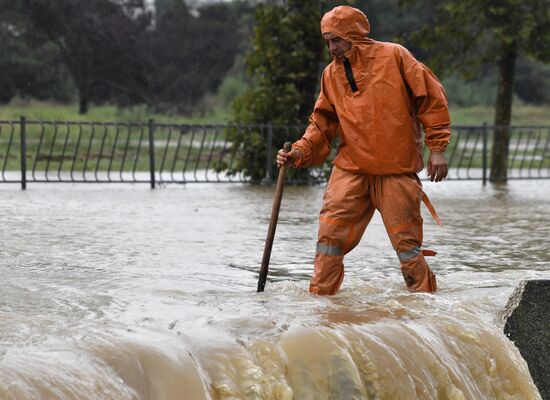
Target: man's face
336,45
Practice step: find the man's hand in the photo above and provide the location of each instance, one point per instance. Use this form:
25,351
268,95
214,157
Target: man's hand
437,166
291,156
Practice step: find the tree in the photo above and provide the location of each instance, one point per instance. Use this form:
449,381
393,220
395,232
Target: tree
193,51
532,82
284,62
102,43
463,34
28,61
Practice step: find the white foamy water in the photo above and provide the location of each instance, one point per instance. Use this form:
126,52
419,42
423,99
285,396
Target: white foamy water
120,292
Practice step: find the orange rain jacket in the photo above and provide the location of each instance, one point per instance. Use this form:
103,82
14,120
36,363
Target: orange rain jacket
380,122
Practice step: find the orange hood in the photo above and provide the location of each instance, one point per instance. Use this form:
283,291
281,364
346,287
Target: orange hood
347,22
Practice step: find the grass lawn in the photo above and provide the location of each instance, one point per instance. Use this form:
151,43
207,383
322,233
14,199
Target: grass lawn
45,111
521,115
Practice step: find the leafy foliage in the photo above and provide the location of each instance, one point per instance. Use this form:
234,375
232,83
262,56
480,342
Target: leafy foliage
120,52
28,61
532,82
462,35
192,52
100,44
284,62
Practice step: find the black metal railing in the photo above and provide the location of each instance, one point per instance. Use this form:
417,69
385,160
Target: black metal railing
469,152
153,153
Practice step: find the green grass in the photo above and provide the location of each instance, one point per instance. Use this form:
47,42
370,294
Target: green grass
45,111
521,115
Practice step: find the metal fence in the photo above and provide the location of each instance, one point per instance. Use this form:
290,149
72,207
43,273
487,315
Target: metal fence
153,153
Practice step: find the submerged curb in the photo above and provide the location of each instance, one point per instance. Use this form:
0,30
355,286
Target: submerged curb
527,324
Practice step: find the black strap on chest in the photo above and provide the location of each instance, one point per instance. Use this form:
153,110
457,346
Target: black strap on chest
349,75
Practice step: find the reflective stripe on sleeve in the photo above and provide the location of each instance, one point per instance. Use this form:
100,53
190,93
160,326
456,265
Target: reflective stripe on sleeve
329,249
407,255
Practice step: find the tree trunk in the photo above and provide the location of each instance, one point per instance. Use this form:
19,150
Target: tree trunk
82,102
503,113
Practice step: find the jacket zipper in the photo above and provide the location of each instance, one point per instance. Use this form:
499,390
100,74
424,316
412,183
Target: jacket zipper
349,75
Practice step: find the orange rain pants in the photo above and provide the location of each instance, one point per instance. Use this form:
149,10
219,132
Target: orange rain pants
348,206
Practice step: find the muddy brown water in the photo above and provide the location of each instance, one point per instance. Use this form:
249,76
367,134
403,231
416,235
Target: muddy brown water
121,292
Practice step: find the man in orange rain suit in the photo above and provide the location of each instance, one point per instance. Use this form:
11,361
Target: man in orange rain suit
375,95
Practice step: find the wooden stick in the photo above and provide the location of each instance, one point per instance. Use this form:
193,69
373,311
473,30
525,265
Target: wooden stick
273,222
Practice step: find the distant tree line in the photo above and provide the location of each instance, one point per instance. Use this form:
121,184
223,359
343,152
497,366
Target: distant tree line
507,36
121,52
172,56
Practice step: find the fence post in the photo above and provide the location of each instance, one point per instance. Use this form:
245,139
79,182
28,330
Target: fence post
485,134
269,155
23,141
152,152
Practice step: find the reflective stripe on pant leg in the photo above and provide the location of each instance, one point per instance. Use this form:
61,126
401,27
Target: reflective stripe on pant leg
407,255
328,271
330,250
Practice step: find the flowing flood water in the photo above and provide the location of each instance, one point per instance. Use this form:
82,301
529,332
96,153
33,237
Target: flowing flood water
121,292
